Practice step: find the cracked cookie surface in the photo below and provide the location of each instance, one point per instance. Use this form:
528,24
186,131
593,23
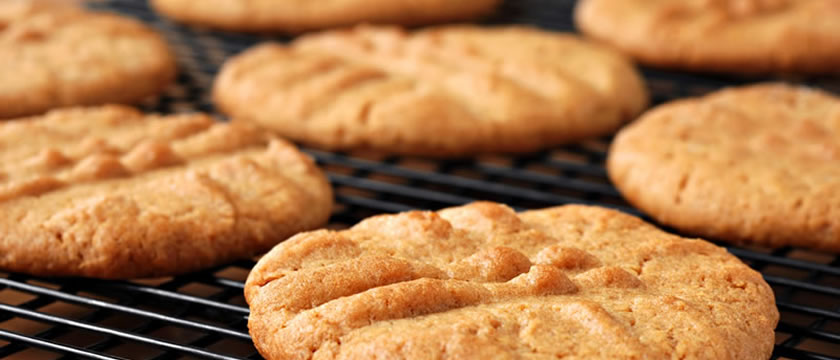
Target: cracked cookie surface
737,36
111,193
441,91
298,16
756,164
54,55
480,281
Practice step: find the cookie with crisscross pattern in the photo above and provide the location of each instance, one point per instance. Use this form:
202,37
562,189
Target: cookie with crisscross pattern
442,91
109,192
480,281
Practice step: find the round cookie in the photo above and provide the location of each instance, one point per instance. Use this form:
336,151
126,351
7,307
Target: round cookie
444,91
757,164
107,192
480,282
54,55
298,16
745,36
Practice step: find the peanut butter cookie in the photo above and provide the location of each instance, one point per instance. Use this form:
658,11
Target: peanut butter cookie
481,282
736,36
54,55
110,193
444,91
756,164
299,16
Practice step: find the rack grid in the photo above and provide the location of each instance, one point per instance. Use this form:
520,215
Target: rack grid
203,315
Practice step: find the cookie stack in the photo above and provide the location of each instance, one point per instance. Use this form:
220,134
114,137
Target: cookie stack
103,190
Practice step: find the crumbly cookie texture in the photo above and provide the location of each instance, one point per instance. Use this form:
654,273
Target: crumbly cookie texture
443,91
480,281
298,16
108,192
743,36
757,164
54,55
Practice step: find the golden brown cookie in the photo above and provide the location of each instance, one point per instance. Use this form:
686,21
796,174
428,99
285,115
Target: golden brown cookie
757,164
108,192
482,282
54,55
736,36
443,91
299,16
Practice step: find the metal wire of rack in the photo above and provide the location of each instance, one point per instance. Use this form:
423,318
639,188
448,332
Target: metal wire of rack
203,315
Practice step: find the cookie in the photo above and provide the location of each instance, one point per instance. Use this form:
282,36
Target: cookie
54,55
293,16
742,37
107,192
757,164
480,281
444,91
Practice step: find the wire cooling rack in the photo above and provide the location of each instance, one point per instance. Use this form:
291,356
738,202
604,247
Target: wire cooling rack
204,316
